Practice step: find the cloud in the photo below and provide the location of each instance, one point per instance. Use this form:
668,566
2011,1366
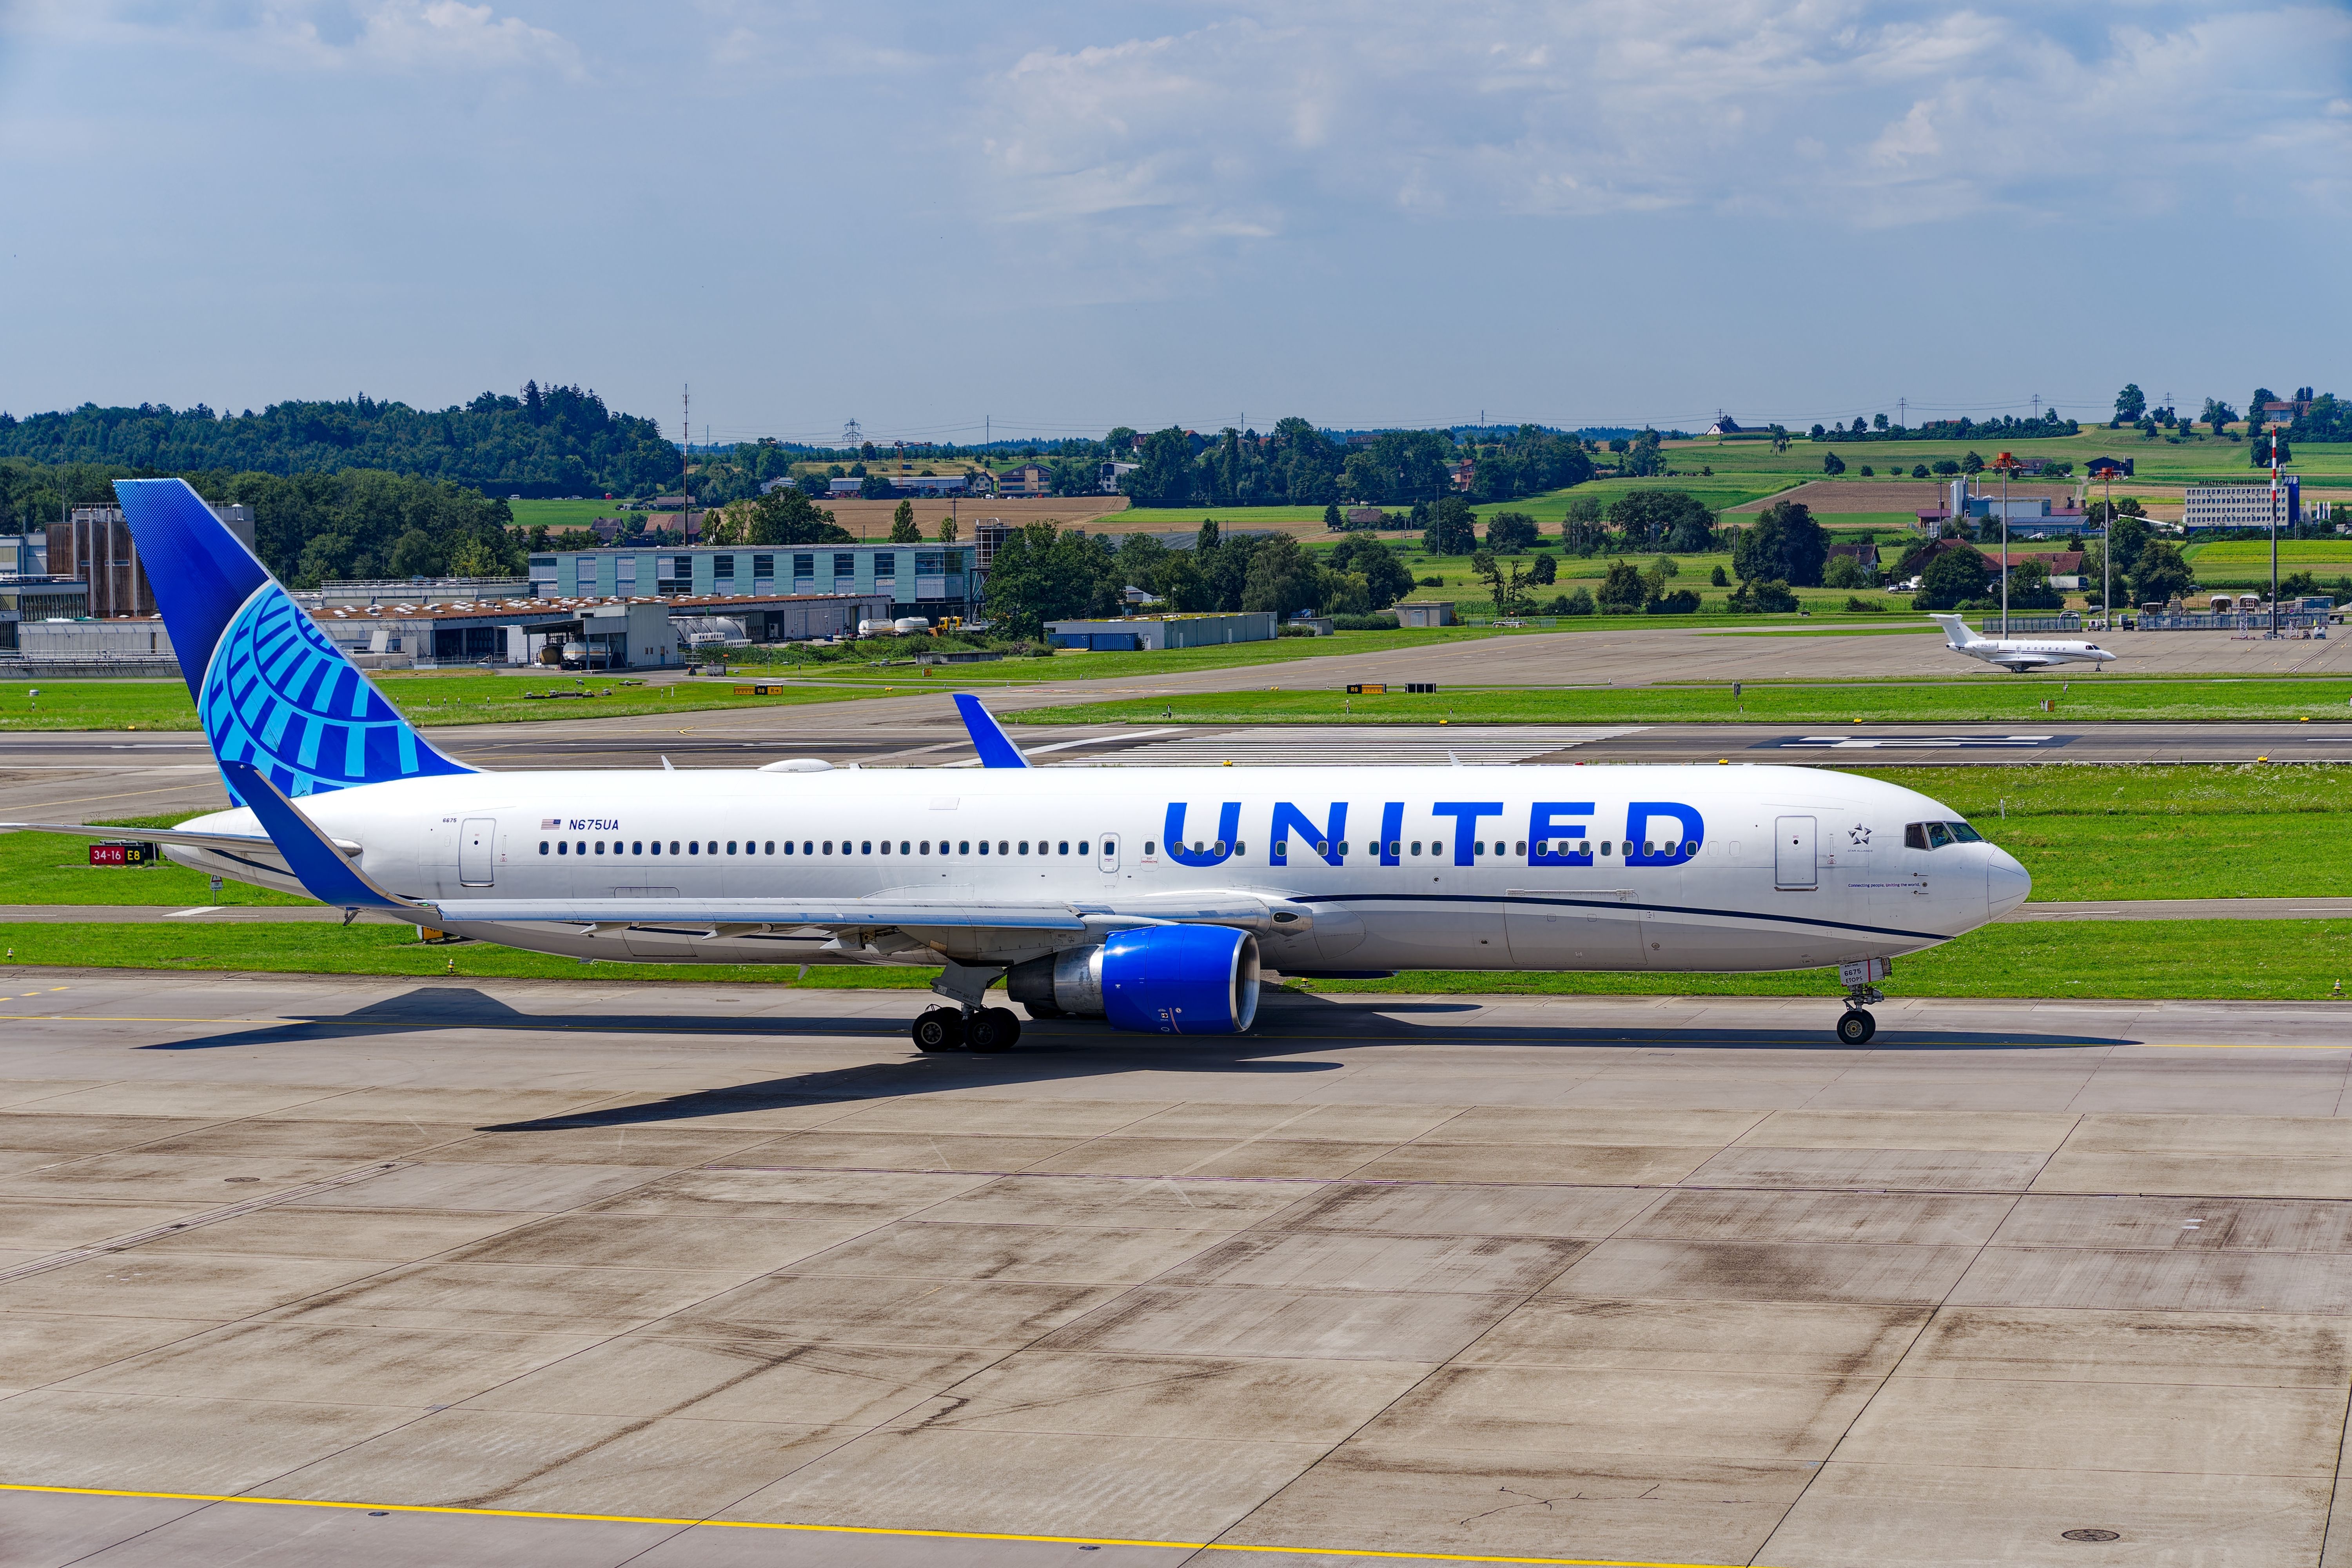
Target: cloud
445,35
401,36
1863,115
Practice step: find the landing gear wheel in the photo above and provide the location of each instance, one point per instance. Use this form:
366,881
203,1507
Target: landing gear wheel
939,1030
991,1029
1856,1026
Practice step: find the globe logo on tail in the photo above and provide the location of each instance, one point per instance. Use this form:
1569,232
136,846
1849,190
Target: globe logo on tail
279,695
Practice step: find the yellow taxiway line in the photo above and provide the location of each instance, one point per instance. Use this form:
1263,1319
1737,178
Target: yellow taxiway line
391,1508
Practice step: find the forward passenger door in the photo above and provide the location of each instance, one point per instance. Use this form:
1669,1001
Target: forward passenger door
1795,867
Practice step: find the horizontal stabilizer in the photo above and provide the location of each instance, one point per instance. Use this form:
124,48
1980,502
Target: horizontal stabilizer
244,842
310,854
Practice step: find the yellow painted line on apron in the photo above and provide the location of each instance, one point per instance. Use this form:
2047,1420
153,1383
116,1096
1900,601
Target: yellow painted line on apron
389,1508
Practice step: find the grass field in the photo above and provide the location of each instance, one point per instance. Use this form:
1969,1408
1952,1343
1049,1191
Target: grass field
53,868
2155,463
2155,831
1993,699
2249,960
562,514
429,697
371,948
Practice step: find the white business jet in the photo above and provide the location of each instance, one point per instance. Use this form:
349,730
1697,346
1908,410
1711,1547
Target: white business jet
1146,896
2018,654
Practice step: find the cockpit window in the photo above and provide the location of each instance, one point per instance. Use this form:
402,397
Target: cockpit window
1937,835
1963,834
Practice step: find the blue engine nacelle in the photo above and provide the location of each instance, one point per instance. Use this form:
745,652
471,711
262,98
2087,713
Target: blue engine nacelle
1161,980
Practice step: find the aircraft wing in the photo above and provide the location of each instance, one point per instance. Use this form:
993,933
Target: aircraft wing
1248,910
843,913
2021,660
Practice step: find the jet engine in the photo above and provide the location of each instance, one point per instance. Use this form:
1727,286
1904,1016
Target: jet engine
1160,980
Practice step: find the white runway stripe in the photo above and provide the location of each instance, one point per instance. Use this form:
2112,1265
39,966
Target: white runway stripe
1349,746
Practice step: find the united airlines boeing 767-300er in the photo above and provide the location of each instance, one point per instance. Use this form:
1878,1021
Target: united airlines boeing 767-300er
1148,896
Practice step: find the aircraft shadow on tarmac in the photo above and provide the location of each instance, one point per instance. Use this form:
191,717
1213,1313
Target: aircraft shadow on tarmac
1289,1023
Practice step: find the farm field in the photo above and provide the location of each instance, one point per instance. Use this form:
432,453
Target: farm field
1993,699
2234,561
562,514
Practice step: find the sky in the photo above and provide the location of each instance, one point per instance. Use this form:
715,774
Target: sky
1048,219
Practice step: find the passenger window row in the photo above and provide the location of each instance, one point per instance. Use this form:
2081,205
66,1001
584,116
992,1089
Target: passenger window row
642,847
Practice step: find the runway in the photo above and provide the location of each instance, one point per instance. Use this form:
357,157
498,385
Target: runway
1652,1280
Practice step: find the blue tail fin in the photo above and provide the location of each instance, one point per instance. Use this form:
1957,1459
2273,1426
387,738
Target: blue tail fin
271,688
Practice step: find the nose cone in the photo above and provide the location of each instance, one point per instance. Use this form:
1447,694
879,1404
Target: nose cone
2006,883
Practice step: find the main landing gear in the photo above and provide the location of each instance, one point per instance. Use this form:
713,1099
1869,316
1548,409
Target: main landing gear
954,1030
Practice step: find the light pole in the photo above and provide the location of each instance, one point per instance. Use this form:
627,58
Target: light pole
2107,558
2274,522
2005,463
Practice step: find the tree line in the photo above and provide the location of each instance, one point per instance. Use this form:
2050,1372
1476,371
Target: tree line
552,441
310,526
1043,573
1297,464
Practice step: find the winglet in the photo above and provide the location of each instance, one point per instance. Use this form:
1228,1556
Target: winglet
988,737
316,863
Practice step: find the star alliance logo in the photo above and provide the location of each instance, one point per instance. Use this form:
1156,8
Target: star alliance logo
1859,837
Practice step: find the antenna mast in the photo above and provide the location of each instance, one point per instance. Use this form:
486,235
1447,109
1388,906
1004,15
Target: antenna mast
686,459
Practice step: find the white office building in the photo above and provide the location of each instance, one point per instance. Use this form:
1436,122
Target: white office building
2242,506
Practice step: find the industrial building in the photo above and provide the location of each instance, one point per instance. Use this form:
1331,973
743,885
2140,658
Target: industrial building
2242,506
926,580
38,597
612,633
618,633
1128,634
94,544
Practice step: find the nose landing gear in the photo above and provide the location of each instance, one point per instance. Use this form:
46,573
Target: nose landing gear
1856,1026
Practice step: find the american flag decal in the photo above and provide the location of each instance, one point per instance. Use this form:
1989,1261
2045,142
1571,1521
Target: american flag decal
547,822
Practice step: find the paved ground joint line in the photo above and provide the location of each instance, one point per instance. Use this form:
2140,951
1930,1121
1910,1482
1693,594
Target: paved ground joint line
867,1529
210,1216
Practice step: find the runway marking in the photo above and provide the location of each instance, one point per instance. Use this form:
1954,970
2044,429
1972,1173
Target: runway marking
851,1529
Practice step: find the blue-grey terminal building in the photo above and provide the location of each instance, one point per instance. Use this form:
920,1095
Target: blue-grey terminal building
927,580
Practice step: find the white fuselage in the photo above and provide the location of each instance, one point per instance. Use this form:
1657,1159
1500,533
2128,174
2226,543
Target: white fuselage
1996,650
1522,868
